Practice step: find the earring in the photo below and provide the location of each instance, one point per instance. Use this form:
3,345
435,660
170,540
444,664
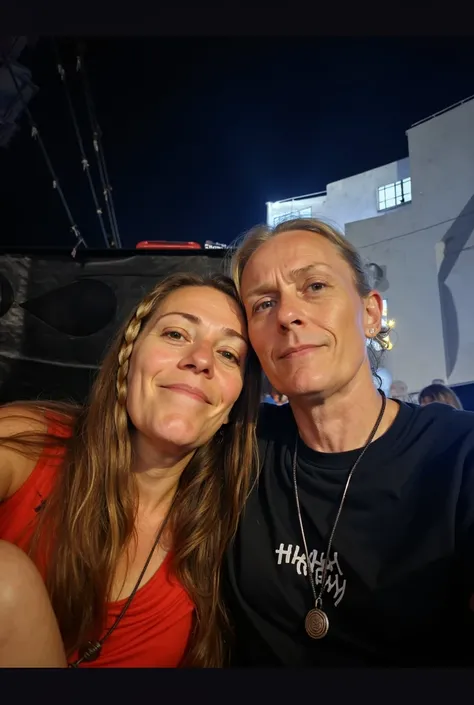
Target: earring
371,331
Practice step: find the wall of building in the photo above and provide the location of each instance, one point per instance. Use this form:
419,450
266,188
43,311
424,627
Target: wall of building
353,198
427,247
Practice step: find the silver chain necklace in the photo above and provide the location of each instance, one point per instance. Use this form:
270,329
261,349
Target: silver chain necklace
317,622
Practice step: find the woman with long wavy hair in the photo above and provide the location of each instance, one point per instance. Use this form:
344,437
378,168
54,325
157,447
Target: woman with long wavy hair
126,505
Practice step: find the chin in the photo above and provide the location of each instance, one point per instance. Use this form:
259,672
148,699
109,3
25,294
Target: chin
302,384
310,392
181,433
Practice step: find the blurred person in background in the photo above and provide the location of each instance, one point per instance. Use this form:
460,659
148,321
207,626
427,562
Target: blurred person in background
271,395
439,393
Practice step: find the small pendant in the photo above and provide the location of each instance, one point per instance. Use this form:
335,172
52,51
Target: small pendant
90,651
316,623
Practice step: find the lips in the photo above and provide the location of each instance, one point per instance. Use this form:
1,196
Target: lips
296,350
186,389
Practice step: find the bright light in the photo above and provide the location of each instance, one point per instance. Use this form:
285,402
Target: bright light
390,345
391,323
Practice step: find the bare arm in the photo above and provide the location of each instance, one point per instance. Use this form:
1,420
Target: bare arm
15,467
29,633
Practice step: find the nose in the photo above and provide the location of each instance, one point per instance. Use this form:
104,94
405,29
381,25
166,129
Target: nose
199,358
289,312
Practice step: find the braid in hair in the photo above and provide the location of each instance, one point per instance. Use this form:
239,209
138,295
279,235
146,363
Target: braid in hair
121,452
130,336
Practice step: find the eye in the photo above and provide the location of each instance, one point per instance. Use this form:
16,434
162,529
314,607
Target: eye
317,286
173,334
263,305
228,355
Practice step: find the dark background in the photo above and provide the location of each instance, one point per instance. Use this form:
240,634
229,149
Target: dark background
199,133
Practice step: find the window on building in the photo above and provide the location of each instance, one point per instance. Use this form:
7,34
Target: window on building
303,213
396,194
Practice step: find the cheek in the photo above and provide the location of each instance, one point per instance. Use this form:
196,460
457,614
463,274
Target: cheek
346,324
231,389
134,387
149,360
145,364
260,339
132,376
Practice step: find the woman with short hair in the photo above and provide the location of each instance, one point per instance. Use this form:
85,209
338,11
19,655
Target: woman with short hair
356,547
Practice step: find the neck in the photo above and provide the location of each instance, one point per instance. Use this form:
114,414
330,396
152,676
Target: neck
157,474
344,420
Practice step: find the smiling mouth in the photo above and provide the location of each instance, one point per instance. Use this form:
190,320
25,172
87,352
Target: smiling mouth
189,392
297,352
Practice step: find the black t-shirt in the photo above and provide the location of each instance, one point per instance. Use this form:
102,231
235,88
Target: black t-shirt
401,570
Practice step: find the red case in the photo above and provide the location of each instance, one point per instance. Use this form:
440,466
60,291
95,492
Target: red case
167,245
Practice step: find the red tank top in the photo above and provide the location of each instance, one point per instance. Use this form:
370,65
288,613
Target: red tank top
156,627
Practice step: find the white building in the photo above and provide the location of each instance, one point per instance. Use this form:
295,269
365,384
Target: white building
415,219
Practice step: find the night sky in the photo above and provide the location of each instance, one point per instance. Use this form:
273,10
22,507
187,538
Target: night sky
199,133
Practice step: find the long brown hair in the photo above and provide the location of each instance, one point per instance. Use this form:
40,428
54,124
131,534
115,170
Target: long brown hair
260,234
89,518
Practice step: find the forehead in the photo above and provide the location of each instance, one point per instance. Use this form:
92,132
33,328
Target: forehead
212,307
289,251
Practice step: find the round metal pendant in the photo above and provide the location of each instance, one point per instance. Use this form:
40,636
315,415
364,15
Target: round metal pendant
316,624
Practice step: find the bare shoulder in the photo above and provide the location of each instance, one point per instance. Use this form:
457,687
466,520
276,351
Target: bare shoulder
15,467
19,418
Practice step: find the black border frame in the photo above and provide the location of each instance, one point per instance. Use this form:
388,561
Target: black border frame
323,686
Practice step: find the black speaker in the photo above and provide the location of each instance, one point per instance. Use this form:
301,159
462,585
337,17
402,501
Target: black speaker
59,314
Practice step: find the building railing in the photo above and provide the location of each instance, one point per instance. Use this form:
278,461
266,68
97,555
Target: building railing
299,198
440,112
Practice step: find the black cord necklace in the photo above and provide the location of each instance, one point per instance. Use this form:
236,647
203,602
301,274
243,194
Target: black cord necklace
317,622
93,649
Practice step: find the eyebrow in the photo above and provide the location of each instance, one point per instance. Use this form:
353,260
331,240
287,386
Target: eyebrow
228,332
294,273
